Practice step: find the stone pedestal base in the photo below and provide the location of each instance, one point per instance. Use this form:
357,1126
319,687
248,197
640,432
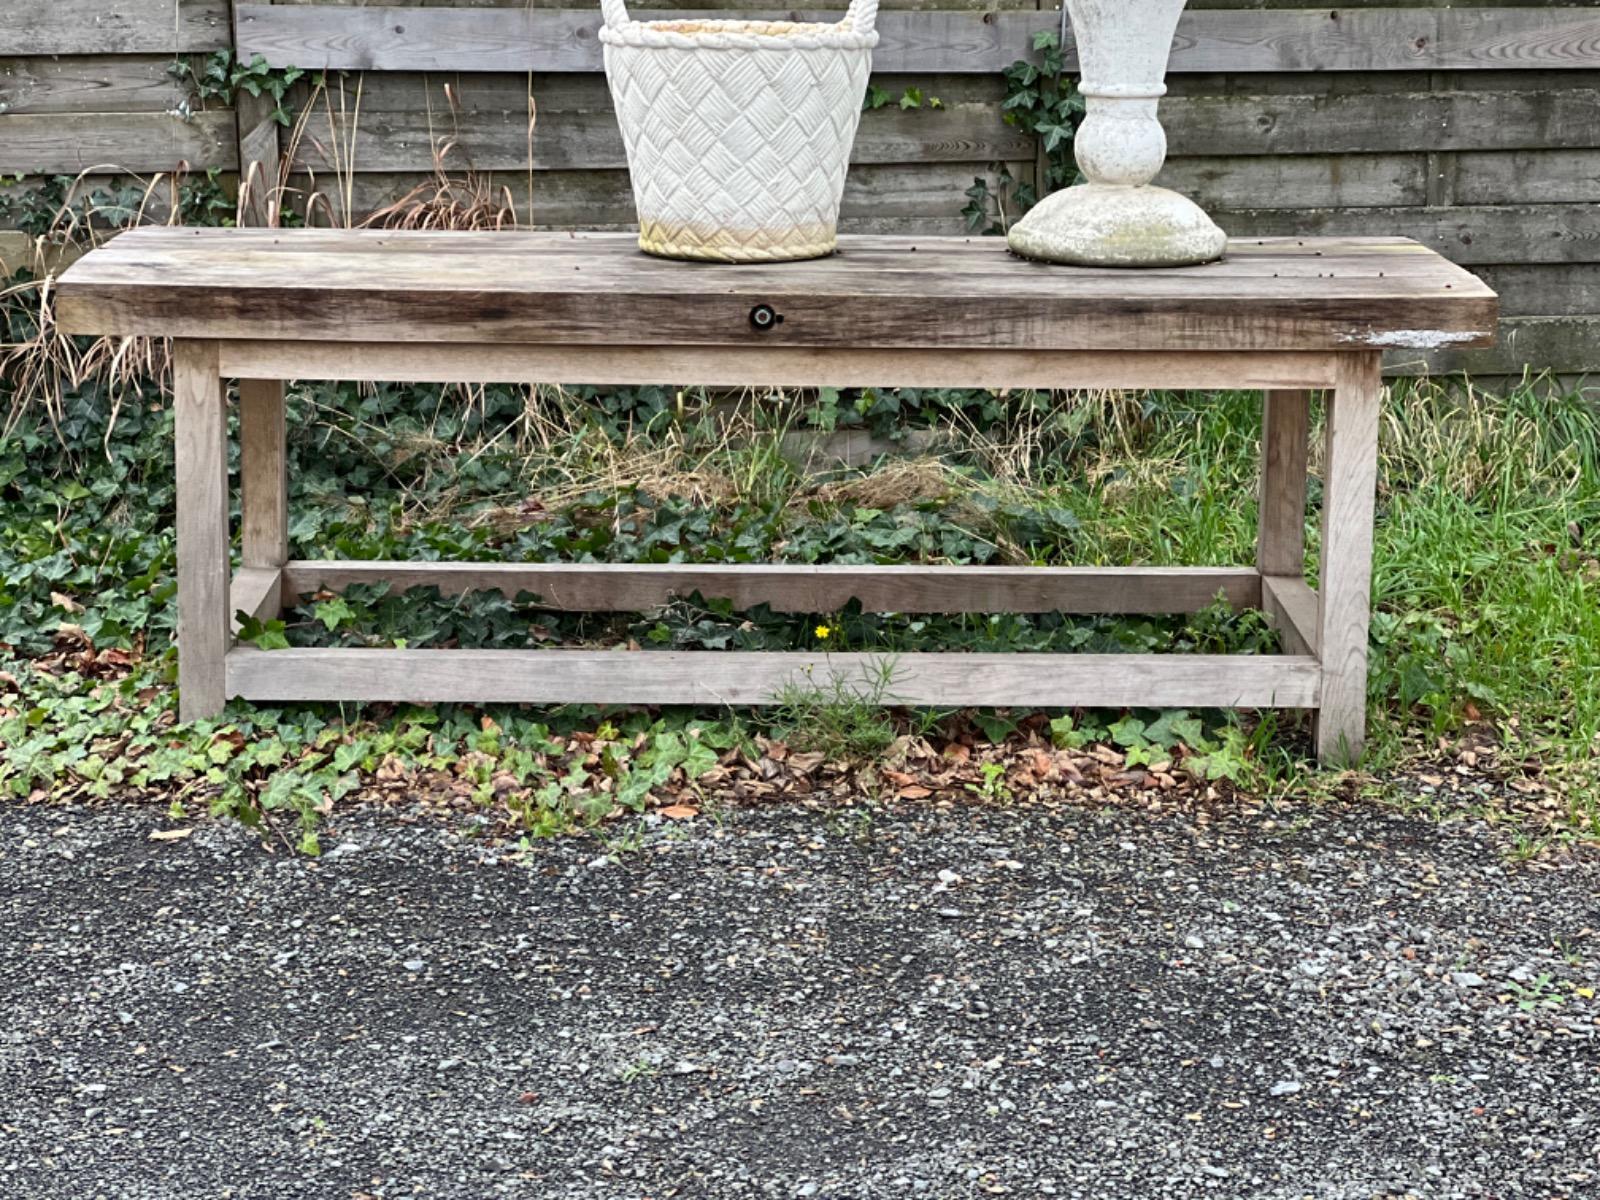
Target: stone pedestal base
1106,225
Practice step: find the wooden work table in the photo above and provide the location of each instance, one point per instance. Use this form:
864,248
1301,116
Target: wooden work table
1284,316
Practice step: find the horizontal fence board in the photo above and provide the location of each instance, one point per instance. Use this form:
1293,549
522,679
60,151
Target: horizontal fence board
1528,177
1469,235
1544,290
385,141
464,39
1242,127
914,199
113,26
62,143
446,93
1531,345
878,198
129,83
1293,181
1368,124
879,195
732,677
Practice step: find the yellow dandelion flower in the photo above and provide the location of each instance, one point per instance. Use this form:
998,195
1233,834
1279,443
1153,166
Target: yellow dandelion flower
824,633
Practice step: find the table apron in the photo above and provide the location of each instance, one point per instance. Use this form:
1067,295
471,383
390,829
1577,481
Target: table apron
746,366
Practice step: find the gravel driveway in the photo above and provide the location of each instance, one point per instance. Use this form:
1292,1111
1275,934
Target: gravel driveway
1025,1001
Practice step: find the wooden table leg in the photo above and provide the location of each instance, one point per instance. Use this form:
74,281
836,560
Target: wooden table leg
1346,592
1281,543
264,483
202,501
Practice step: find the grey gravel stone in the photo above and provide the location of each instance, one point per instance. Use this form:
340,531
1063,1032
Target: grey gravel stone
757,1006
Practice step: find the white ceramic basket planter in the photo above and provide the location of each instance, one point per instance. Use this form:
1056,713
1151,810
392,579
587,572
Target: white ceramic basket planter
1117,219
738,133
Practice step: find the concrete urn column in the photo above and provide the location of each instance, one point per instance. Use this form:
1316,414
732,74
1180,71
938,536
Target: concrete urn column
1117,219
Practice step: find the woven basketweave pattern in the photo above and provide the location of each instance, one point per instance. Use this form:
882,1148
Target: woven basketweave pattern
738,133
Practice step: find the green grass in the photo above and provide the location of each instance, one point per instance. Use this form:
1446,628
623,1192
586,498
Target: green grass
1487,549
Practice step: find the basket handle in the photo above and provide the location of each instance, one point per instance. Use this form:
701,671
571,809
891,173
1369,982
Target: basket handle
863,15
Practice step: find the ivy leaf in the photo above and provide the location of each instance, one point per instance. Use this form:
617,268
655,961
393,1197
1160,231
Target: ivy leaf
876,97
1054,135
267,635
1129,732
334,613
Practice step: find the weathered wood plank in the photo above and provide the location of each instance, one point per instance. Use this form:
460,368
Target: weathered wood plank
204,616
67,143
1529,177
496,93
1382,123
1295,181
502,141
1387,132
1526,345
1544,289
947,293
1345,593
673,677
924,200
892,198
741,366
630,587
73,83
263,474
259,156
259,153
47,27
1285,433
1468,234
442,39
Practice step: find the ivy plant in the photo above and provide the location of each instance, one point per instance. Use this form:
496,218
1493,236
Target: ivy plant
221,77
1043,100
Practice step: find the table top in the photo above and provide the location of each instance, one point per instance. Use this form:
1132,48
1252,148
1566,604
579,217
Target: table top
877,292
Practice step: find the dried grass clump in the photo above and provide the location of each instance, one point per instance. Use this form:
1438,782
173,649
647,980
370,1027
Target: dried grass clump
41,363
446,202
897,481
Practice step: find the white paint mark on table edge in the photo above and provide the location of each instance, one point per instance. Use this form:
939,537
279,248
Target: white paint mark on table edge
1413,339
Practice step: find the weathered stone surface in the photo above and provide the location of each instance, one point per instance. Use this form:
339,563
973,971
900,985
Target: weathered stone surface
1102,225
1117,219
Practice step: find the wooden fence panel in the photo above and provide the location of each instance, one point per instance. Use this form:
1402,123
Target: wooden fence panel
1474,129
93,88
